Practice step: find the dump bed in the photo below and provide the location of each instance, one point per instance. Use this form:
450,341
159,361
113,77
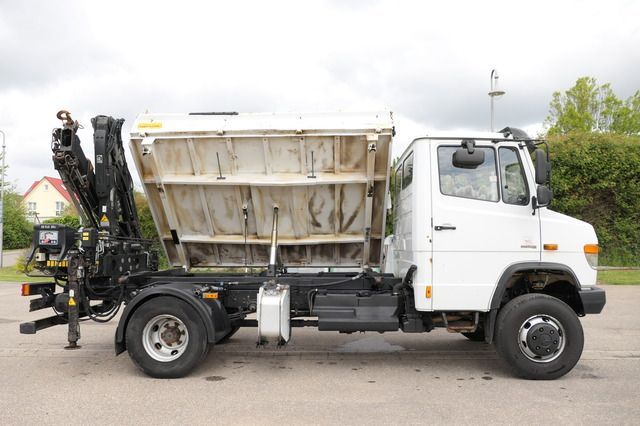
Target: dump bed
212,181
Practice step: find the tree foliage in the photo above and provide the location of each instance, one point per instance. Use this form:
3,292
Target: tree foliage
148,227
17,229
147,224
16,226
589,107
596,178
69,219
393,193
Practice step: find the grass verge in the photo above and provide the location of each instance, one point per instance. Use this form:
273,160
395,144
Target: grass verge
9,274
619,277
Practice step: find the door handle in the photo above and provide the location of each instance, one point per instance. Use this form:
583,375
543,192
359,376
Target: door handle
444,228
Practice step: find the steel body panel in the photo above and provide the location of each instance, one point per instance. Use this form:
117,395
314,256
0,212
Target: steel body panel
327,173
570,235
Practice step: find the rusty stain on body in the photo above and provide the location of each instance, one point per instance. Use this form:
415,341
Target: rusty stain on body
321,220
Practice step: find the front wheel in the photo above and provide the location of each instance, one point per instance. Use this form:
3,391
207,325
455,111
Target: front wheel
540,337
166,338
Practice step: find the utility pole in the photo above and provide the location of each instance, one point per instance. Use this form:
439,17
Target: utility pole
495,92
2,201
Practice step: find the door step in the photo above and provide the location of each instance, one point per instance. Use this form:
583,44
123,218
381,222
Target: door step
461,326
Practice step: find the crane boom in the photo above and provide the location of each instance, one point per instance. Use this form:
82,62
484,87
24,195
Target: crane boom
102,195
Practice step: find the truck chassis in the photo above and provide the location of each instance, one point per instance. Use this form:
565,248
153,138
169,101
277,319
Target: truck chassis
172,317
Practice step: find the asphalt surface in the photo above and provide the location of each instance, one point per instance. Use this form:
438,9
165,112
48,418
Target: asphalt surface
10,257
319,378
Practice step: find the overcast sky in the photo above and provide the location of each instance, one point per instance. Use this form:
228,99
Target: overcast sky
429,62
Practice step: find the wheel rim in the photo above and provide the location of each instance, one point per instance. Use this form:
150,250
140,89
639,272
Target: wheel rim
165,338
541,338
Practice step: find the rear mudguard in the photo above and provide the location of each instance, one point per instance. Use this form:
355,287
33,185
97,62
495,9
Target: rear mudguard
212,312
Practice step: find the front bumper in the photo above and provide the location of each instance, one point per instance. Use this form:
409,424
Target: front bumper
593,299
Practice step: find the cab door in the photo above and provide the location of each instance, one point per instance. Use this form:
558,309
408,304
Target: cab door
481,223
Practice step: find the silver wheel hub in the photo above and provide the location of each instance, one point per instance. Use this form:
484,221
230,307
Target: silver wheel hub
165,338
541,338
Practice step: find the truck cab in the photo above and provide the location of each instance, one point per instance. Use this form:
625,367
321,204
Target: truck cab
465,227
471,213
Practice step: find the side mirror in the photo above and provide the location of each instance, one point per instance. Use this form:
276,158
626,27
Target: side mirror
468,157
543,167
543,197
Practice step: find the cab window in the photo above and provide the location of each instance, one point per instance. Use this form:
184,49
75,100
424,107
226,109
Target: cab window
480,183
513,180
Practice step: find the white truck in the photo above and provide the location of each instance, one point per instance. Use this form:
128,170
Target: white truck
297,204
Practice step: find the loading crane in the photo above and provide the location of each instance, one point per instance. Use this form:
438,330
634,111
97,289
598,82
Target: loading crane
90,263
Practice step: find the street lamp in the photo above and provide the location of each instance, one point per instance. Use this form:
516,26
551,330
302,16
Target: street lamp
494,91
2,202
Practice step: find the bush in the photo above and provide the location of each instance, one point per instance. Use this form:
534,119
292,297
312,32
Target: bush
148,228
17,229
596,178
70,220
22,266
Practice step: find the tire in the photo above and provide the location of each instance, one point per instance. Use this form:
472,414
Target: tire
228,336
539,337
476,336
174,352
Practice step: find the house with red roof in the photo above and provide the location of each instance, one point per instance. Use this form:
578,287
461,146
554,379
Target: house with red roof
46,198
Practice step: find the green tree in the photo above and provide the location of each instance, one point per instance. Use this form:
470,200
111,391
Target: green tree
589,107
627,117
16,226
393,192
17,229
148,227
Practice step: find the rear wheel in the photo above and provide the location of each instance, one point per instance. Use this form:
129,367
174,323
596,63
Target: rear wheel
166,338
540,337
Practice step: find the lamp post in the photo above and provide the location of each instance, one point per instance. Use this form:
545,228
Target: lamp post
2,202
494,91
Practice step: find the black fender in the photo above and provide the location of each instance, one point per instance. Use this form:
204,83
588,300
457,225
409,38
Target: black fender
501,287
213,314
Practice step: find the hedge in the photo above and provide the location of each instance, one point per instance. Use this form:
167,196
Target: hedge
596,178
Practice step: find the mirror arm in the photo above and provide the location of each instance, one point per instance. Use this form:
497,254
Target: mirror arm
534,203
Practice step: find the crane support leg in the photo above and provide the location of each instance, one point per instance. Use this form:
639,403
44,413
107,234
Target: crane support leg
75,274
